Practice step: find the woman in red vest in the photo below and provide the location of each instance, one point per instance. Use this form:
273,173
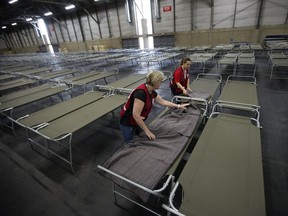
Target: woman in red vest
139,105
180,81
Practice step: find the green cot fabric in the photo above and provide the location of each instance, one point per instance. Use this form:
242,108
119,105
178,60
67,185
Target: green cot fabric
128,81
223,175
4,77
228,60
240,92
33,71
83,76
53,112
82,117
16,84
19,94
11,82
32,97
205,85
56,74
94,77
19,68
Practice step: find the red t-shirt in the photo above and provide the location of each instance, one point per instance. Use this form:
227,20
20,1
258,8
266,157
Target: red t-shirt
180,76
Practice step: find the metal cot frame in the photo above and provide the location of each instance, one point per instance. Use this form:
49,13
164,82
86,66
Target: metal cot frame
223,175
9,105
58,123
170,179
208,83
240,94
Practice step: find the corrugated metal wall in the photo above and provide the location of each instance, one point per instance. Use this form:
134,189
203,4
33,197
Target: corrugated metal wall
110,20
274,12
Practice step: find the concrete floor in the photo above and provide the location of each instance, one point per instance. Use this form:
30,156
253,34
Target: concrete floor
31,184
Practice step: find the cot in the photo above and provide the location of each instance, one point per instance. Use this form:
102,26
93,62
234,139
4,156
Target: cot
15,84
276,61
58,123
55,74
239,93
228,59
61,130
204,87
32,71
8,106
247,59
19,94
86,78
223,175
139,167
203,59
126,59
6,77
15,69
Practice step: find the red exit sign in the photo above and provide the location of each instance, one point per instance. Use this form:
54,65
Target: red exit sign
167,8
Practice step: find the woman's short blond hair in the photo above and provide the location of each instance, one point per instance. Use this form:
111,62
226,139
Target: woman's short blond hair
154,77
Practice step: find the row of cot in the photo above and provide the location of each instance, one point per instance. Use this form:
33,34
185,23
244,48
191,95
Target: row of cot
223,175
57,123
29,76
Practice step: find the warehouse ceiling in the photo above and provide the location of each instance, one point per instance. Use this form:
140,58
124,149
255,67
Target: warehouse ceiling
22,9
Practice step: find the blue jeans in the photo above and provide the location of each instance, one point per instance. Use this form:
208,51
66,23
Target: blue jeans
127,132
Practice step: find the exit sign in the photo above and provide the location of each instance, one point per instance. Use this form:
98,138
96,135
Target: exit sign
167,8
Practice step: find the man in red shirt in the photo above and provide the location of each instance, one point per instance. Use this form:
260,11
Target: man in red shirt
180,81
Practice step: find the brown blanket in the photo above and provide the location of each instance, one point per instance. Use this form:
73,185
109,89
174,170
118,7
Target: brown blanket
146,162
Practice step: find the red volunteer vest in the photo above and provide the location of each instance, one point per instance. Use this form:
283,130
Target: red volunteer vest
147,105
183,80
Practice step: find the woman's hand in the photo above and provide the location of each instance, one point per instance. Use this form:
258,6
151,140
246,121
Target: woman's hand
150,135
183,106
185,92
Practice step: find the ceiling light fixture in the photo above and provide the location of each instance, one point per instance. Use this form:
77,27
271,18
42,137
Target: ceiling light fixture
3,27
13,24
70,7
28,19
12,1
48,13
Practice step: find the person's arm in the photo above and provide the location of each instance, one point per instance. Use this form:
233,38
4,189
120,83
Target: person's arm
137,109
182,88
166,103
177,78
188,85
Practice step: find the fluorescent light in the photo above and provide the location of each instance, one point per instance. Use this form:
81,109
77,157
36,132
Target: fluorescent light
12,1
28,19
48,13
14,24
3,27
70,7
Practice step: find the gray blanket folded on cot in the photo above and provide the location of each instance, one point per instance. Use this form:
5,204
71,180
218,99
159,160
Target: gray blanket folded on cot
145,161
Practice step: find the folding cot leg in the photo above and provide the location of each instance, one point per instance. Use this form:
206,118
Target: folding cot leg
272,69
136,203
105,81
